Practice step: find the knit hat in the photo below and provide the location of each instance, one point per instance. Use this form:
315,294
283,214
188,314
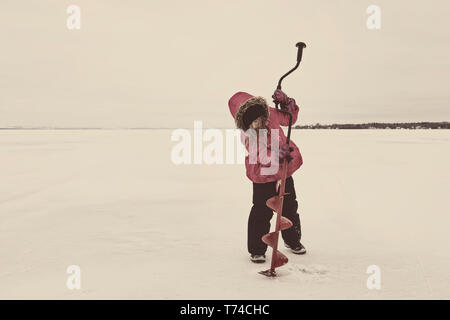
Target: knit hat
241,102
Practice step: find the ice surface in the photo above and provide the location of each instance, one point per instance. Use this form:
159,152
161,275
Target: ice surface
112,202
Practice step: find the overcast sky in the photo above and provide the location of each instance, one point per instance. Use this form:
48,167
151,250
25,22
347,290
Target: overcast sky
167,63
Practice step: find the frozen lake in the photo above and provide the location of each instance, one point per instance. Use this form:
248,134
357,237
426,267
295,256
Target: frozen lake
139,226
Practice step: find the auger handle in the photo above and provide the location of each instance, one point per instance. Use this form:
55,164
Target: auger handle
300,46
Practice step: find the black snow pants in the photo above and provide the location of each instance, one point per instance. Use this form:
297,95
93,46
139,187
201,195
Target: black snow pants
260,215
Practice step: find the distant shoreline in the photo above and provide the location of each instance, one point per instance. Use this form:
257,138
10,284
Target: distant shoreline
347,126
380,125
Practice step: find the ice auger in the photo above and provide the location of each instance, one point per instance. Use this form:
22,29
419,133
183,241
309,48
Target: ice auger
276,203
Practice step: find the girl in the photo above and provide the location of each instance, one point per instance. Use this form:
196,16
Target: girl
252,112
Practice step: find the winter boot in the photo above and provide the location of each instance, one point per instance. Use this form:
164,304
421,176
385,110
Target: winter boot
257,258
298,249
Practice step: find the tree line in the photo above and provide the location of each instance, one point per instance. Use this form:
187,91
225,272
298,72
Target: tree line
379,125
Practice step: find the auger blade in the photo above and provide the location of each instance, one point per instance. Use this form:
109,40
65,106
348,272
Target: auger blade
268,273
274,203
269,239
285,223
280,259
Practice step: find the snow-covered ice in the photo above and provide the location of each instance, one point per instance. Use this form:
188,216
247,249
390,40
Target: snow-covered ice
113,203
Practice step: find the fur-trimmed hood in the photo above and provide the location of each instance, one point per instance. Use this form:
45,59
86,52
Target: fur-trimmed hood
239,104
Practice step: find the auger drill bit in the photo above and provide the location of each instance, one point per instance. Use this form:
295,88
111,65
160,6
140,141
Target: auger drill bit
276,203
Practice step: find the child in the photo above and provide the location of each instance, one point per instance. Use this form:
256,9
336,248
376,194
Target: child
252,112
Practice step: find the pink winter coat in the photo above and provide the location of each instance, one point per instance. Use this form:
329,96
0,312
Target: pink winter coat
238,103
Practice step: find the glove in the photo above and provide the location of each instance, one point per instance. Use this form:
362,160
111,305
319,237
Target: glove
286,103
285,153
280,97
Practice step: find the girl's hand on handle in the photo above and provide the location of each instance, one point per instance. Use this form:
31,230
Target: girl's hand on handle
285,152
280,97
286,103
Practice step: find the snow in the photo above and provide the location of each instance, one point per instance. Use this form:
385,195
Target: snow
113,203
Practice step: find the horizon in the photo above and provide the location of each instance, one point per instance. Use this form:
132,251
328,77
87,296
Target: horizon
167,128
